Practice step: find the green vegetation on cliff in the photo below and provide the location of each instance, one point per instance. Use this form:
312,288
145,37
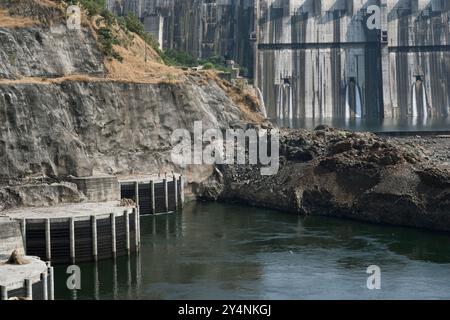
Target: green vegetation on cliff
93,7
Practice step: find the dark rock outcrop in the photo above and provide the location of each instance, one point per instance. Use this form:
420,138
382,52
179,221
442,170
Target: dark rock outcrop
344,174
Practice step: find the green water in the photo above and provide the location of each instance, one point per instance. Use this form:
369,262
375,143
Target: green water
215,251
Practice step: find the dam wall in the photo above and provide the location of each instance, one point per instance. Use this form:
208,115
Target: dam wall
203,28
320,59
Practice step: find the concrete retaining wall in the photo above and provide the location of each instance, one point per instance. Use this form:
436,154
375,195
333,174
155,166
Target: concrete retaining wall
85,238
10,237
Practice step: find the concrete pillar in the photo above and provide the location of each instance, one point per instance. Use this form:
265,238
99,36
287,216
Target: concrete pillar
152,196
94,237
72,239
51,283
113,233
48,241
175,186
24,235
96,283
127,229
136,192
29,289
4,293
44,285
138,236
136,229
166,195
115,281
181,191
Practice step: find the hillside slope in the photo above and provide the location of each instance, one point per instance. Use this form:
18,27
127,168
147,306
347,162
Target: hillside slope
68,110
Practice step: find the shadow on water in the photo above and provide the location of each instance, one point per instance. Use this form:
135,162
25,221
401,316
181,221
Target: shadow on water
216,251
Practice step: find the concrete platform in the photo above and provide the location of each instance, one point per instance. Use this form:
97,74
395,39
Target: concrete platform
64,211
128,179
31,281
13,276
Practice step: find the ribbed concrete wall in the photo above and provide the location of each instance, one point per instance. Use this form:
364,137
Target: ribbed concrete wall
419,48
317,58
201,27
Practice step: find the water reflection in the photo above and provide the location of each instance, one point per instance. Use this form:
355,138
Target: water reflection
374,125
213,251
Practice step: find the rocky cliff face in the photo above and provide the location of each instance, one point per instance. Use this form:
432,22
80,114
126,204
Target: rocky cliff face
344,174
62,115
48,53
85,128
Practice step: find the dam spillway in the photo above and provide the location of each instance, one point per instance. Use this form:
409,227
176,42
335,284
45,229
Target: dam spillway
339,68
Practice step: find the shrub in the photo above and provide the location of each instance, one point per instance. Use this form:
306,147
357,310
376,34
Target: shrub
208,66
107,41
179,58
93,7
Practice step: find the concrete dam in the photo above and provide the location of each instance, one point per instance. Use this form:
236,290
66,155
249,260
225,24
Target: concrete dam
320,59
315,59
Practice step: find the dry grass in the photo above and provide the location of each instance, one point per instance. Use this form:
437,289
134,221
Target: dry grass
44,12
8,21
39,80
243,97
140,64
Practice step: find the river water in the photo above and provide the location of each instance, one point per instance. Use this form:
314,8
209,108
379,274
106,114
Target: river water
405,124
216,251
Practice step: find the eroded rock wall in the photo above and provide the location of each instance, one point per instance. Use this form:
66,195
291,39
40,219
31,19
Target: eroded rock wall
48,52
61,119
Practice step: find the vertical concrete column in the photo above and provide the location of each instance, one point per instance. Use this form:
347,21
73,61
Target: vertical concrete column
94,237
44,285
113,233
181,191
4,293
136,229
136,192
51,282
96,283
386,103
29,289
72,239
175,186
166,195
138,236
152,196
24,234
48,241
127,229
